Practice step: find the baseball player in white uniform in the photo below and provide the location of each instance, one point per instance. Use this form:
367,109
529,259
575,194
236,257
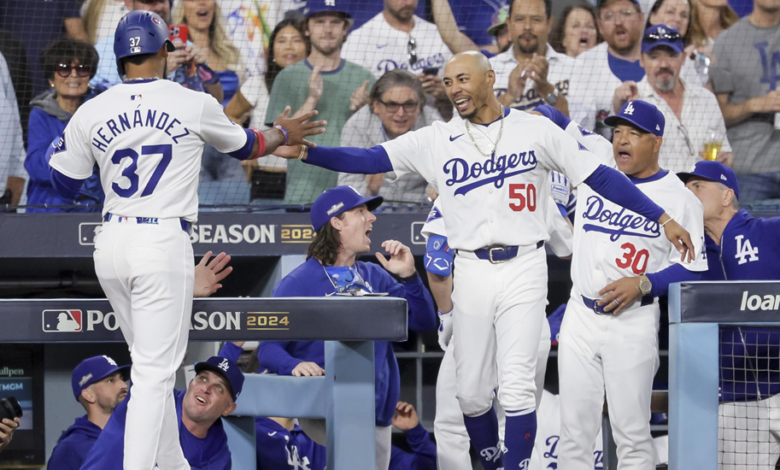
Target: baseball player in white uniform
621,264
452,439
487,166
147,137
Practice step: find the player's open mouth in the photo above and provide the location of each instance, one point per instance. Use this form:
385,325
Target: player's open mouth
624,156
200,399
462,103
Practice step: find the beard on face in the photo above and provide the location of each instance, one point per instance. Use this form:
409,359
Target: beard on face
403,15
665,84
533,44
326,50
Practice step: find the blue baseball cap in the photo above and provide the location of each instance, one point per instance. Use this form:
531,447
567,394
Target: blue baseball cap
662,35
94,370
713,171
338,200
314,7
227,369
641,114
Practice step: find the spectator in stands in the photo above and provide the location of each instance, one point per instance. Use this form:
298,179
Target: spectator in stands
397,106
99,385
7,429
343,221
207,32
324,81
599,71
107,74
288,45
15,54
692,114
575,32
38,24
531,72
682,16
68,66
713,17
210,396
744,78
397,38
100,18
12,174
457,41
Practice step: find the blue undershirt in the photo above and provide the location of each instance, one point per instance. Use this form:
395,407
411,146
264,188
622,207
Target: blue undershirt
625,70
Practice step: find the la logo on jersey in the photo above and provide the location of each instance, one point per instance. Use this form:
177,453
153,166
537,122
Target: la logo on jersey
745,251
224,365
629,109
294,460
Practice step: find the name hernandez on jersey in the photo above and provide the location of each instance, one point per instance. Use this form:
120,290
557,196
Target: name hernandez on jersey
611,242
496,200
147,137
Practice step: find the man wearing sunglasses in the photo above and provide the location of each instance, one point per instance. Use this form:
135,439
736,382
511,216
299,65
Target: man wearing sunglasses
600,70
693,117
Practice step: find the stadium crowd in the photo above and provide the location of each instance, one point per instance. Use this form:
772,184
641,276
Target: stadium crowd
374,72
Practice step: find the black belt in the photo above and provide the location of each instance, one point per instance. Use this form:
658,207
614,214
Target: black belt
185,225
593,304
499,254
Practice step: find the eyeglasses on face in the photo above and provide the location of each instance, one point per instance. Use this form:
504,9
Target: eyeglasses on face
392,106
609,16
64,70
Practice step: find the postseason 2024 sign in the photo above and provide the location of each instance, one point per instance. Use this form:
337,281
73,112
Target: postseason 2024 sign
214,319
238,234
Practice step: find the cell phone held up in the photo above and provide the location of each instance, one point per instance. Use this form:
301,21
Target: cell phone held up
431,71
178,34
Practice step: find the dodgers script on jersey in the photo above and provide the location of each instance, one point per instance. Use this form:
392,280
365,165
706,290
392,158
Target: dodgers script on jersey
496,200
632,238
147,138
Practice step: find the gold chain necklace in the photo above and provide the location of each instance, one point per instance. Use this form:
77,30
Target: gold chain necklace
495,146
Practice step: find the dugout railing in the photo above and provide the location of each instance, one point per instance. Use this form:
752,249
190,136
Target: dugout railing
344,397
697,311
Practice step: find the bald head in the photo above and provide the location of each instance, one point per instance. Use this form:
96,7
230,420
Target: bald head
473,60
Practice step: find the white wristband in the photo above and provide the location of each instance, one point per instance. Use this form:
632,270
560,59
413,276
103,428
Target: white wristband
667,221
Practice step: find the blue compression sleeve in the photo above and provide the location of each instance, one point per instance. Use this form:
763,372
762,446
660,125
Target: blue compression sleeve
246,151
65,185
670,275
614,186
351,159
557,117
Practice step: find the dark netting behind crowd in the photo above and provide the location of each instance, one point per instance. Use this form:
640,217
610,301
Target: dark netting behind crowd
374,69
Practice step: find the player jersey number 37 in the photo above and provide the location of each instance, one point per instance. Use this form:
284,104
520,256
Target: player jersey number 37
147,138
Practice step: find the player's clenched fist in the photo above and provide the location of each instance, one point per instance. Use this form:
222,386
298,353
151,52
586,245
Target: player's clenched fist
401,262
308,369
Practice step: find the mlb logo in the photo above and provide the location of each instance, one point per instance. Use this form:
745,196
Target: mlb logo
87,233
62,321
135,50
417,236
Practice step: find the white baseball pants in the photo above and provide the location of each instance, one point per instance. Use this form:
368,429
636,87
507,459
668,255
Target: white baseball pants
452,440
749,434
613,354
500,311
147,272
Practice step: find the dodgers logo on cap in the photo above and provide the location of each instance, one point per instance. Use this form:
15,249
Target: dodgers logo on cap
227,369
713,171
336,201
642,115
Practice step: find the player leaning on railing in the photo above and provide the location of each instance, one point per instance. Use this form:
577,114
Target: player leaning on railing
147,136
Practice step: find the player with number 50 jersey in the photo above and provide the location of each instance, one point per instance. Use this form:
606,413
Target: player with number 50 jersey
147,136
